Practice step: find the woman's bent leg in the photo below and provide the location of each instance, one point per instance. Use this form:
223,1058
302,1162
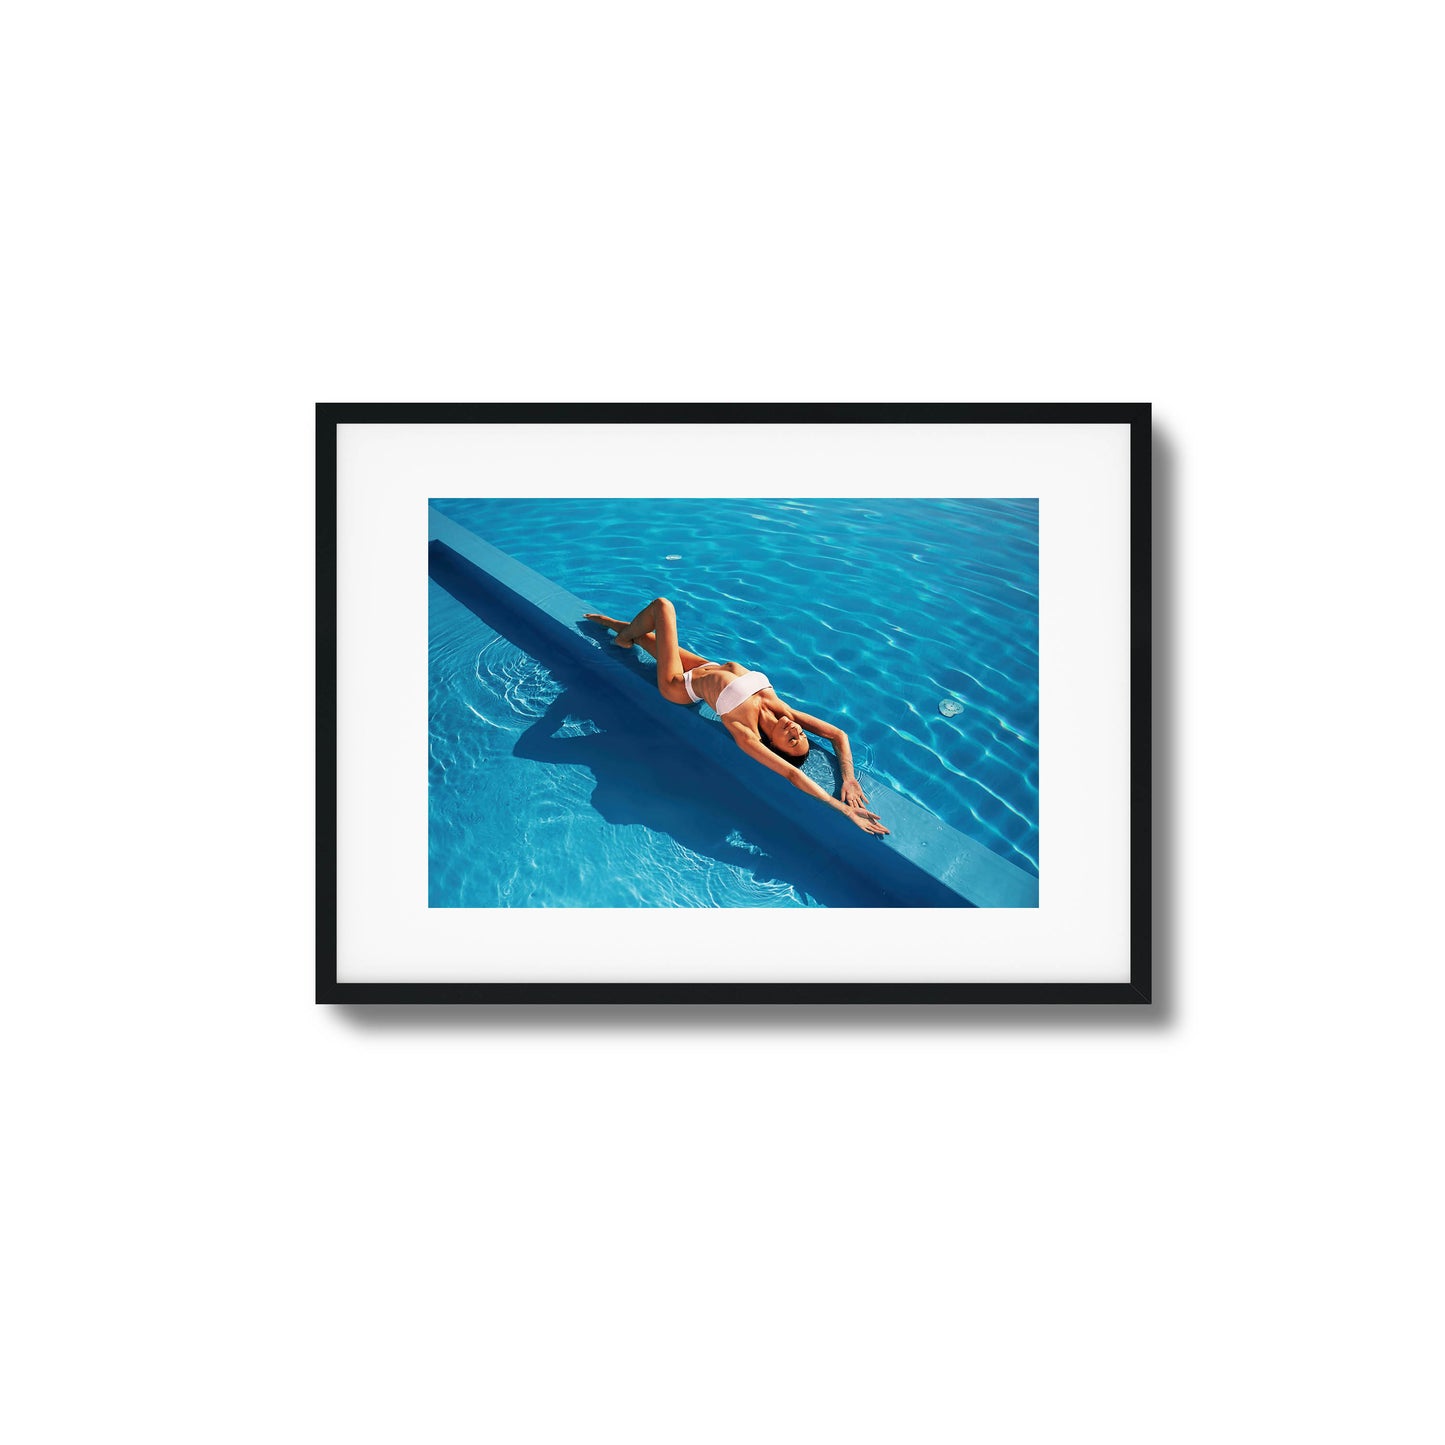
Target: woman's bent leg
659,617
648,642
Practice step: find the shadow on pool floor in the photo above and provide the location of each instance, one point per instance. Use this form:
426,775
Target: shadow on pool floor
645,780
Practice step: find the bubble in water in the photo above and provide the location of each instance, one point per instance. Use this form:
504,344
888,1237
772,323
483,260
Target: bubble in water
950,707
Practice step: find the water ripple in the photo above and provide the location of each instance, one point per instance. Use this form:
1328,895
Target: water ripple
526,686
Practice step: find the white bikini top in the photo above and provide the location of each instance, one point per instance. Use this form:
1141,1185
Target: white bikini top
740,689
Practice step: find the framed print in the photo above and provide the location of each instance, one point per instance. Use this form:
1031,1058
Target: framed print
733,703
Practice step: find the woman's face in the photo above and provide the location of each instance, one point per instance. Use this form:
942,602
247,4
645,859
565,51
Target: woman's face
789,738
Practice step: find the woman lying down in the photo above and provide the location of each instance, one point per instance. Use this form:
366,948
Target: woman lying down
765,727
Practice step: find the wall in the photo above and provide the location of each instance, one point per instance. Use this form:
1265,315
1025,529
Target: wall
233,1216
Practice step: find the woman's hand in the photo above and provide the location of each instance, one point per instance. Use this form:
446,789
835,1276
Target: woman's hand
853,794
867,821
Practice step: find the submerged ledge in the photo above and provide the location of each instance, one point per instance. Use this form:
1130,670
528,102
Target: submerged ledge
922,861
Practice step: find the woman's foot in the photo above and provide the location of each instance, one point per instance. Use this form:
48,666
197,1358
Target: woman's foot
615,623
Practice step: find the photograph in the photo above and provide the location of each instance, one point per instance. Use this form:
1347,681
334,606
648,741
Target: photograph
630,699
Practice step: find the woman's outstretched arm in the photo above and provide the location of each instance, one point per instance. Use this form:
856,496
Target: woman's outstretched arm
852,791
858,814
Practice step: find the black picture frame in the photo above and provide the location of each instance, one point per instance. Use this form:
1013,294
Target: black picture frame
330,989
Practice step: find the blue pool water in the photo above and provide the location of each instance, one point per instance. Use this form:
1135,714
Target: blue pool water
870,613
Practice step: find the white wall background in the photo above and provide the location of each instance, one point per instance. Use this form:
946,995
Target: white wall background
231,1215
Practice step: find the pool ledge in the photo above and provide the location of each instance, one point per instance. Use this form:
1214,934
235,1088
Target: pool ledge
921,859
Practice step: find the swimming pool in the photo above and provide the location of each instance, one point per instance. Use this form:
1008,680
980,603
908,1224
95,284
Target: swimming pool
547,789
871,613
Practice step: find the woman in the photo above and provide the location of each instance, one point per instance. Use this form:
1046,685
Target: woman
761,723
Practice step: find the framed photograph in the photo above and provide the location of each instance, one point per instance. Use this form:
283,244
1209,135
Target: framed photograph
733,704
